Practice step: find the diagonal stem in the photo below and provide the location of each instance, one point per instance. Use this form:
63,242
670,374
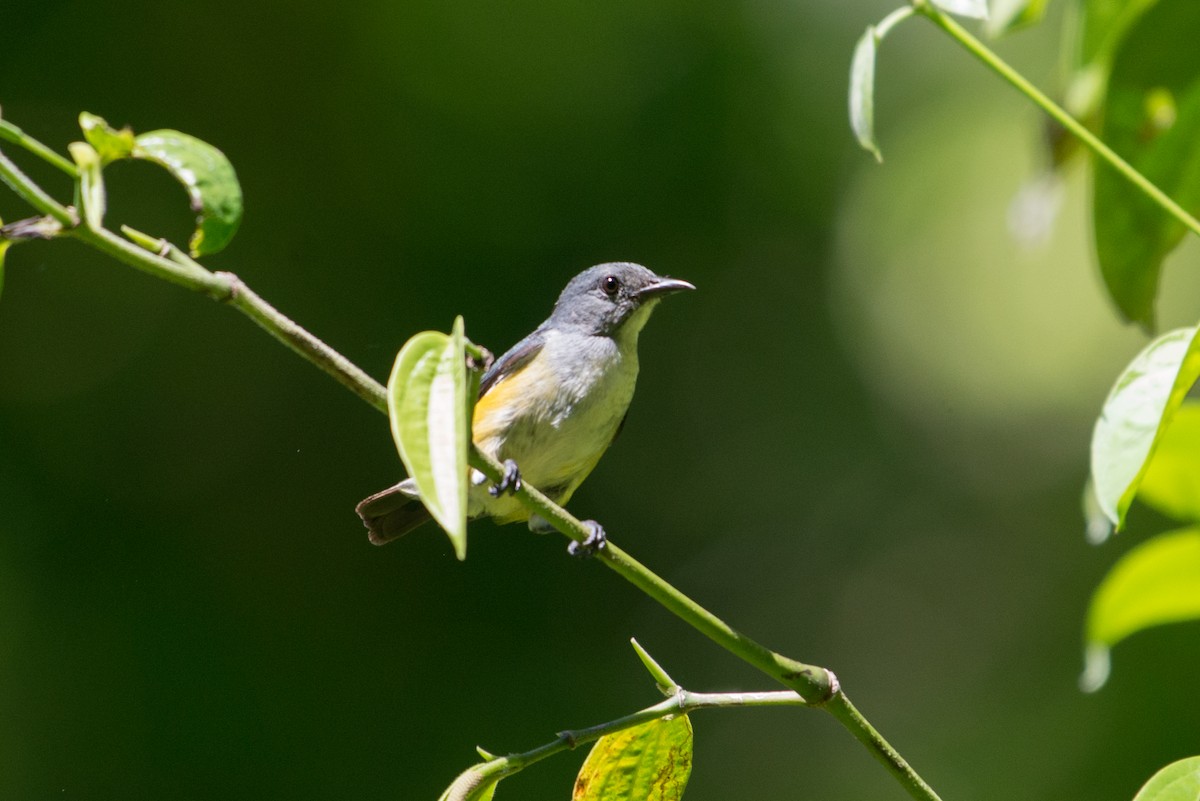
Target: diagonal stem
1078,129
12,133
34,195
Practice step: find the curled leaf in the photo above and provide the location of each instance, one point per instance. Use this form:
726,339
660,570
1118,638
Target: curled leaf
429,407
208,177
650,762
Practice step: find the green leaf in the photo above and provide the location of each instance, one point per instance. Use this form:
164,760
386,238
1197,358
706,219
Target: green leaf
1155,583
90,189
110,143
650,762
964,8
1135,415
1171,483
1103,24
862,92
1179,781
1152,119
208,177
1009,15
429,404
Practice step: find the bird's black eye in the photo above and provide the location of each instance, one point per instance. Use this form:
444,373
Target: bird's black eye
611,285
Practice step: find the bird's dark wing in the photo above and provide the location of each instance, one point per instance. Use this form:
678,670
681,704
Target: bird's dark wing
513,360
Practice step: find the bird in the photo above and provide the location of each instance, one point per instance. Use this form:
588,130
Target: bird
549,407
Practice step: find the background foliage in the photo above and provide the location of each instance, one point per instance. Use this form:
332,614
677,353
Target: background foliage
877,408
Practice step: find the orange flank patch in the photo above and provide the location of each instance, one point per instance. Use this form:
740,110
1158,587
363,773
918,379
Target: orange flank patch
489,420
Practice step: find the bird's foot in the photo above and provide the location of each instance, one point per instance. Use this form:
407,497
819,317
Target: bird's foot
510,482
596,540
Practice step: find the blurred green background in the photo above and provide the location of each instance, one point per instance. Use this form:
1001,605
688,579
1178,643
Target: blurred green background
862,441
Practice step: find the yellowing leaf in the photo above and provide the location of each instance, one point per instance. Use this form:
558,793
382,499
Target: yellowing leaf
650,762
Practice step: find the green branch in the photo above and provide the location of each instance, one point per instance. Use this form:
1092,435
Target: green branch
12,133
816,686
681,702
926,9
34,195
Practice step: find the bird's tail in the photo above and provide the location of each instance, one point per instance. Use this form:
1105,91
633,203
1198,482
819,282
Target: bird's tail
392,513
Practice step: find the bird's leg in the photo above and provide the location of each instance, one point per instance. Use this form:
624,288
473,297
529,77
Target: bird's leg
510,482
596,540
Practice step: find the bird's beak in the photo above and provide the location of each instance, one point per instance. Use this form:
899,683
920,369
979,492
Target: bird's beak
661,287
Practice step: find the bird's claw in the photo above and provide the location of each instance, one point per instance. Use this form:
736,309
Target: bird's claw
509,483
596,540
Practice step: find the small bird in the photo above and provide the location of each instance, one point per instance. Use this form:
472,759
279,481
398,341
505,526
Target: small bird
549,407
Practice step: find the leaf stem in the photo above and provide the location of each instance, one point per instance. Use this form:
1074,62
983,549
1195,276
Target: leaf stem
892,20
195,278
1022,85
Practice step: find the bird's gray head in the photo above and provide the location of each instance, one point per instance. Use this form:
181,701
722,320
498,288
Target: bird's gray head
612,299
